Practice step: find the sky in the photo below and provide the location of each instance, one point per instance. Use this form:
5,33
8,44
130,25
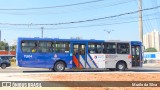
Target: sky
123,28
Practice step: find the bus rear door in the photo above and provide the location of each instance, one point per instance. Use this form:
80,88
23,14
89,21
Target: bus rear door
79,55
136,55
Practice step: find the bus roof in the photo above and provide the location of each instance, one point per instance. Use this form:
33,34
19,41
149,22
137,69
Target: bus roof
79,40
120,41
57,39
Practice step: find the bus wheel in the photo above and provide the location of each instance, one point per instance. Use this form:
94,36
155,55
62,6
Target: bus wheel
59,67
120,66
3,66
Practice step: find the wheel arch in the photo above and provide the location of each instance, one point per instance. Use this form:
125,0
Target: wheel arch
60,61
122,62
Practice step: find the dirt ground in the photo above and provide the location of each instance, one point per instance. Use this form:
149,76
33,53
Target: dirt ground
100,77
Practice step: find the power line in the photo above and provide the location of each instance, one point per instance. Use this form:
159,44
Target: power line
104,24
93,25
82,21
113,19
147,24
119,19
154,3
60,6
78,10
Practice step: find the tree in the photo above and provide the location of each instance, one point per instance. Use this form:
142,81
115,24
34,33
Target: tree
4,46
151,50
13,48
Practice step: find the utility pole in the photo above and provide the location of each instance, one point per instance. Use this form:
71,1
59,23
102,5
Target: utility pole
42,31
0,35
140,21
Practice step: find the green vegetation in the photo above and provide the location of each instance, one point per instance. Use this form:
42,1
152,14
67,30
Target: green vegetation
151,50
13,48
4,46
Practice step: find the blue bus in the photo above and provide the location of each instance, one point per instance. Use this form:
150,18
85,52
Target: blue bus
58,54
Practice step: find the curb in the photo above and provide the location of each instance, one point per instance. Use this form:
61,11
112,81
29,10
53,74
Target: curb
152,65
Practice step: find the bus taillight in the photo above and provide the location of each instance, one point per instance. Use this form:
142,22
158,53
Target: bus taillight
129,56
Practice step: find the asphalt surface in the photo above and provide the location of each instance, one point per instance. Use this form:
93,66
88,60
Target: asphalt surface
42,70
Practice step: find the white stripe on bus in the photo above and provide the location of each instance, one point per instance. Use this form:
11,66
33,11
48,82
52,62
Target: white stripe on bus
90,62
83,62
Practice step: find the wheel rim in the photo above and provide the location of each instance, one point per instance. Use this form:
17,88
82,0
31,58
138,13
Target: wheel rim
3,65
60,67
120,66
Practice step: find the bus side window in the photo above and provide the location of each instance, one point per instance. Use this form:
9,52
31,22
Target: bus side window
94,48
109,48
33,50
62,47
52,49
137,50
45,46
123,48
29,46
75,52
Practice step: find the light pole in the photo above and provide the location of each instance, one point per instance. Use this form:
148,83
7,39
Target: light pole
140,21
42,32
108,32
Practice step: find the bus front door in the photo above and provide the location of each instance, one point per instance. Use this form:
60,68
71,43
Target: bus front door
136,56
79,55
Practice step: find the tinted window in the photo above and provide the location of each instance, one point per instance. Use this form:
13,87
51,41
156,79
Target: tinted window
29,46
62,47
109,48
45,46
79,49
123,48
135,50
94,48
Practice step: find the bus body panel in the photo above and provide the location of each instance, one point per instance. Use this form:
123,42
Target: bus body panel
110,60
86,60
43,60
47,60
99,60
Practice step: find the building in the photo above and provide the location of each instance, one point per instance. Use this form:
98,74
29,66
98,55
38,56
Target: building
152,57
152,39
8,53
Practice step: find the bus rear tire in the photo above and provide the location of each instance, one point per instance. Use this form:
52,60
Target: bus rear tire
59,67
120,66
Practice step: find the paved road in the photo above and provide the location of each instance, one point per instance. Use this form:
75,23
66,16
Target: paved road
41,70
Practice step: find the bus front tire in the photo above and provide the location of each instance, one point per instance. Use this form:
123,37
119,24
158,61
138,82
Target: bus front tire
59,67
120,66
